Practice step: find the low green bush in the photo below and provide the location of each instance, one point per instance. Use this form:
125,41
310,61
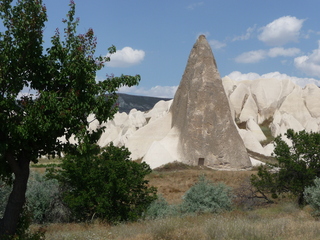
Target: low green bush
44,199
312,196
206,196
160,208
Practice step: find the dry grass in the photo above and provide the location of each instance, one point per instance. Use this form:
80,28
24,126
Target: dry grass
173,184
278,221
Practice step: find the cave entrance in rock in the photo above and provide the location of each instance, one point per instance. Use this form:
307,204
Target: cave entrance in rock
200,161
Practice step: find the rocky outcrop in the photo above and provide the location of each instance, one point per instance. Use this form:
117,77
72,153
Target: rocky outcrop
202,117
198,126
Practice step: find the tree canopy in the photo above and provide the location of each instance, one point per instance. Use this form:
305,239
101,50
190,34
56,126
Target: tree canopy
62,80
104,183
298,165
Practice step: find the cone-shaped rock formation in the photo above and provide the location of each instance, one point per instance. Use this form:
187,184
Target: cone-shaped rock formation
201,114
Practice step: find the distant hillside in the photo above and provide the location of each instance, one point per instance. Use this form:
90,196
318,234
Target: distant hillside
142,103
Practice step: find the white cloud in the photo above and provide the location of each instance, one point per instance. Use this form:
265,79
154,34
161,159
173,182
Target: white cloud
157,91
258,55
281,31
215,44
245,36
194,5
279,51
251,57
238,76
126,57
309,64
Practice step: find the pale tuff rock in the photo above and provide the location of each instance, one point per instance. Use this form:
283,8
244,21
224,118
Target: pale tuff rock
312,125
137,118
256,162
249,110
256,130
283,102
163,151
268,95
294,105
229,85
312,100
199,124
140,142
251,142
201,114
159,110
239,97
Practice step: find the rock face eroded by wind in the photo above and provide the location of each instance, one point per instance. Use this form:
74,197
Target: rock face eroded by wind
202,117
198,125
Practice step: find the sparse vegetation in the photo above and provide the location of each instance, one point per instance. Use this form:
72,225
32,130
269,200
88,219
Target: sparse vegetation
284,217
283,221
174,166
265,128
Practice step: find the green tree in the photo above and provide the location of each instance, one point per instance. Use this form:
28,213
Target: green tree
66,92
298,165
105,184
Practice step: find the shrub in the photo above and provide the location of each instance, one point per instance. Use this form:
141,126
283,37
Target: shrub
44,199
105,184
5,191
246,196
160,208
206,196
312,196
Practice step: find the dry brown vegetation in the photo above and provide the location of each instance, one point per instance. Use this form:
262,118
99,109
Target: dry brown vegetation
282,220
175,179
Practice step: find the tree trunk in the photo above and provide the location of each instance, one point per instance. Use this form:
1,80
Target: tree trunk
20,167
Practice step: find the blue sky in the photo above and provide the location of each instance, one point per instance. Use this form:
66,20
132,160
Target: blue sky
249,38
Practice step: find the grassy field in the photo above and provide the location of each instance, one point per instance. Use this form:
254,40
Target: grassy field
281,220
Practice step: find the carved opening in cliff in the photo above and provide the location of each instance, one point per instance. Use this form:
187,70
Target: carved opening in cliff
201,162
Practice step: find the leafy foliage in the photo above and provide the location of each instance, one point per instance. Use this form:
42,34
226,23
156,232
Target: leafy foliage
62,93
105,185
205,196
298,165
312,196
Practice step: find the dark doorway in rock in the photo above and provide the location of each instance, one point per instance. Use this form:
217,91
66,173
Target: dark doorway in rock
201,162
